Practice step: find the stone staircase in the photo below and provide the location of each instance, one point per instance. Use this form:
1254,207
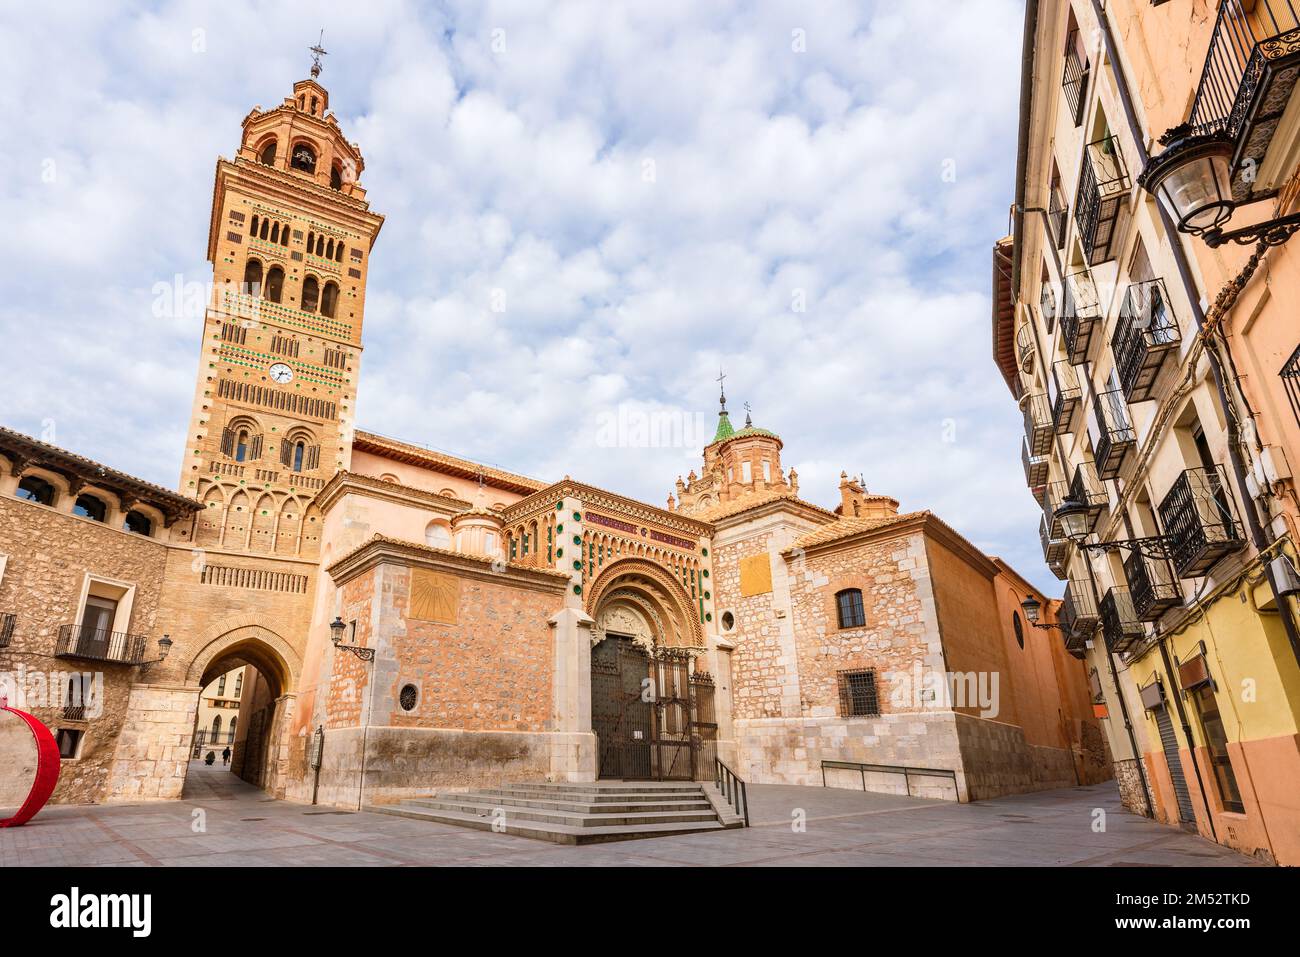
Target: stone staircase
579,813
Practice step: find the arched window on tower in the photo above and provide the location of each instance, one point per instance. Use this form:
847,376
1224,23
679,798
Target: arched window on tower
338,252
320,245
284,234
311,242
310,294
329,299
253,278
275,233
274,283
266,229
329,249
268,153
336,177
304,158
299,453
241,446
252,229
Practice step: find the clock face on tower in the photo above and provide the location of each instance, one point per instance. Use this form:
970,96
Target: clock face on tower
281,373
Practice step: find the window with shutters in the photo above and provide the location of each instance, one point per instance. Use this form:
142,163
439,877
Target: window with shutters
858,697
849,609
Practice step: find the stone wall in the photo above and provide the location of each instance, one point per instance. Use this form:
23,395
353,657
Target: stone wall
999,761
49,555
154,748
790,751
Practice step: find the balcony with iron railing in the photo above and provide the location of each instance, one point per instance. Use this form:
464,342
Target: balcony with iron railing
1038,423
1119,622
1063,391
1290,374
1103,190
1050,498
1087,490
1025,347
1080,315
1113,437
1078,616
99,644
1146,337
8,620
1199,521
1055,547
1074,79
1035,466
1247,81
1152,584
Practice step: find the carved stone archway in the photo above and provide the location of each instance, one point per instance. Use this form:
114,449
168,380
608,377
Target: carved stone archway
645,596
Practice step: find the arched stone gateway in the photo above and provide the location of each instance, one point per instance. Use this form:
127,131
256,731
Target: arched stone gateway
156,745
651,710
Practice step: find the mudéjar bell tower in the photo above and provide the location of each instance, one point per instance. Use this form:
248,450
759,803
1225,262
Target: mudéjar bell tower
289,240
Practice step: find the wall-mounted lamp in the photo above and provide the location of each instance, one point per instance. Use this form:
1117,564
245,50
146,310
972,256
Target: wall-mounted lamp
337,627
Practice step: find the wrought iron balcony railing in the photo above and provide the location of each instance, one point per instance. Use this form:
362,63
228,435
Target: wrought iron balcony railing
1025,347
7,622
1074,79
1152,584
1113,437
1103,188
1078,616
1080,314
74,712
1058,214
99,644
1063,391
1050,498
1038,423
1119,622
1290,374
1200,525
1087,490
1035,466
1247,81
1055,547
1146,336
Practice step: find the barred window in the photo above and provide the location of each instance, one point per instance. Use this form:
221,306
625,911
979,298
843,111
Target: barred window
858,694
848,604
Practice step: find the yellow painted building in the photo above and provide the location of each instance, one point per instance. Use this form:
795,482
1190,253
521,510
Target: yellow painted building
1144,321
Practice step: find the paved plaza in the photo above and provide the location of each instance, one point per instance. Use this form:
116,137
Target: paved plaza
793,826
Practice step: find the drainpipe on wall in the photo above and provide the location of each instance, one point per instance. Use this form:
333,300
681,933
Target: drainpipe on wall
1258,538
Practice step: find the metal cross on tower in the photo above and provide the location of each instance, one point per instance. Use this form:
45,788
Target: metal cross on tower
317,52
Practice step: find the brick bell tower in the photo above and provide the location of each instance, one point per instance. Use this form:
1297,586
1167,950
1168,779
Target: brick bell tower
289,241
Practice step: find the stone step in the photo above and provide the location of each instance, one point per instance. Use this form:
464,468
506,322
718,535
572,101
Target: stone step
547,831
487,808
577,803
591,797
615,787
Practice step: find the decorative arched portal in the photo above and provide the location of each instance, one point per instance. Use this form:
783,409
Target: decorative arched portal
273,669
651,710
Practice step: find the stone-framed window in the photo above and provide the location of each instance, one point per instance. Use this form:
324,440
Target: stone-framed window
858,694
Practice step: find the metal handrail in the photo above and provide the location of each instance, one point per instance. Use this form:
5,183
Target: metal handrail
732,788
905,771
100,644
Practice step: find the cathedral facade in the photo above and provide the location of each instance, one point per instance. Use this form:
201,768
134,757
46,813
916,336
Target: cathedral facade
409,621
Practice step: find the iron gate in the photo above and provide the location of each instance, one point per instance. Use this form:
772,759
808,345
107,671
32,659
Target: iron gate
645,709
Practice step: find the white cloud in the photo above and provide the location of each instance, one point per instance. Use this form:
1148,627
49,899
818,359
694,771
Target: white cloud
653,187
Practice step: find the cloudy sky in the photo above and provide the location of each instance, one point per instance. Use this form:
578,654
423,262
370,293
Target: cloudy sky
590,208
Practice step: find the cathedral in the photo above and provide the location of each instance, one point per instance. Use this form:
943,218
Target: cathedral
408,621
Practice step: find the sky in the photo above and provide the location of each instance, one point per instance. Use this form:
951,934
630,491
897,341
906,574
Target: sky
590,209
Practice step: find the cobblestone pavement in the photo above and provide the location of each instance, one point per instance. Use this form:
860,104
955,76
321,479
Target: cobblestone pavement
242,826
